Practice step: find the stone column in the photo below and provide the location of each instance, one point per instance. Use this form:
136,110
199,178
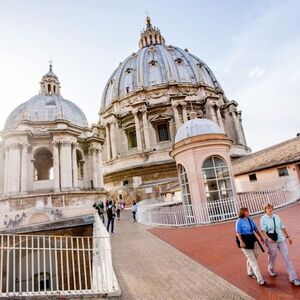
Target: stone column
171,127
66,165
56,166
93,150
113,139
15,168
6,169
146,130
176,116
75,167
100,173
24,172
107,138
184,113
220,120
137,130
237,126
212,113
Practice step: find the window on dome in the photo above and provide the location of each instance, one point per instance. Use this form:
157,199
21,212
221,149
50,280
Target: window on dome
162,132
216,178
178,60
49,88
131,139
127,89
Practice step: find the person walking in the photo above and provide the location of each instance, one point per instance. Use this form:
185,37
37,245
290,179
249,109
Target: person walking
276,235
134,210
247,241
119,209
111,213
100,209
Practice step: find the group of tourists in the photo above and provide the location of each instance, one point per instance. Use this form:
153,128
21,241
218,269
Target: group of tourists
113,210
271,233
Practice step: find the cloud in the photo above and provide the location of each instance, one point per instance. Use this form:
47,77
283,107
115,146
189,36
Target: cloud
257,72
262,72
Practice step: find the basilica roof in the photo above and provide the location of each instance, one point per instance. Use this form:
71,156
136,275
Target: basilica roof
156,64
196,127
47,106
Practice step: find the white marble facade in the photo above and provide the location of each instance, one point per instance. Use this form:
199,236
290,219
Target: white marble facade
47,146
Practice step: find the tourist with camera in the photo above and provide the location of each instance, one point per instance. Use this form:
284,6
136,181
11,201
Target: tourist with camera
276,236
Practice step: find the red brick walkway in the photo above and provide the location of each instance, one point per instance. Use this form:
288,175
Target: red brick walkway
213,246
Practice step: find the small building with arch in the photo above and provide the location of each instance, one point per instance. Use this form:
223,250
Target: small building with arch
202,154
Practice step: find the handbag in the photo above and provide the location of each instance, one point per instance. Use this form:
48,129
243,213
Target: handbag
249,240
273,236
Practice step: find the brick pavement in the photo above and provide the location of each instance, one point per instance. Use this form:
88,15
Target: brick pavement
213,246
149,268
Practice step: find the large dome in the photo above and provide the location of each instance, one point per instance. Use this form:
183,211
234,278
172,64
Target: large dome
48,106
156,64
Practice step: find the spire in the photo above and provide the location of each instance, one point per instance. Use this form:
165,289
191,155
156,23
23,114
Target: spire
50,84
50,65
151,35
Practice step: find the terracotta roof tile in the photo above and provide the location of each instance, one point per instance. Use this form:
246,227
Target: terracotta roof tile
280,154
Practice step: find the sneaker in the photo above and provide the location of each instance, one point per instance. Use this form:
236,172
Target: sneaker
295,282
272,273
252,276
261,282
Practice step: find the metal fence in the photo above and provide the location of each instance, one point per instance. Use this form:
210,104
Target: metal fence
216,211
37,265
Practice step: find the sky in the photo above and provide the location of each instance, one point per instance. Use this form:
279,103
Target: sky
252,46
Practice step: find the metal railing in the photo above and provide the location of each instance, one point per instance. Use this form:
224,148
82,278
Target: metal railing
40,265
216,211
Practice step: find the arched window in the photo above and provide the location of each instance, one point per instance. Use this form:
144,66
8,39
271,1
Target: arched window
217,181
43,164
186,195
80,163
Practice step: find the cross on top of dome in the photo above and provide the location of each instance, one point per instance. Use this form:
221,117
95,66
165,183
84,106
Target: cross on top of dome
50,84
151,35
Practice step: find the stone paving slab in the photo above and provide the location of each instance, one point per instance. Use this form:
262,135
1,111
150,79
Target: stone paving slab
213,246
148,268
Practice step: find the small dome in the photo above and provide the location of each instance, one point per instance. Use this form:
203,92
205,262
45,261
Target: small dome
197,127
47,108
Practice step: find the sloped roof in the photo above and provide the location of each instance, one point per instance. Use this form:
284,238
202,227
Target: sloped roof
280,154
